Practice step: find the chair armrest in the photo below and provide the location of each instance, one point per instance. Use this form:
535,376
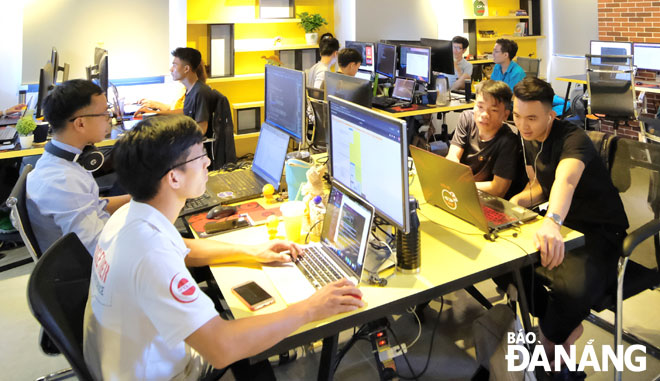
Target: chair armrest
639,235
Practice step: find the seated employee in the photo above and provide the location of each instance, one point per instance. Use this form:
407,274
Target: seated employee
462,68
13,111
316,75
199,101
349,61
145,317
485,143
505,69
61,195
565,169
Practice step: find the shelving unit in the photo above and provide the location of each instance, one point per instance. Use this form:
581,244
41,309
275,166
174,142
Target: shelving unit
515,38
510,17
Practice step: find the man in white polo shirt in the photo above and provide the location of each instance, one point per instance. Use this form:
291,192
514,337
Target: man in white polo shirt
146,318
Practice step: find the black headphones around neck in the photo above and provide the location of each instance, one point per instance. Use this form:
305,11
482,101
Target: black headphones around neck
91,159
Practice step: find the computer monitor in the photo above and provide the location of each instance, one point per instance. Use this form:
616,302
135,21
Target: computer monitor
646,55
349,88
366,75
442,55
415,62
386,60
367,51
45,85
54,60
99,70
369,156
285,100
611,48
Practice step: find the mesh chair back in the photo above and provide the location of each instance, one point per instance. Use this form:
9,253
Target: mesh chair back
57,294
610,86
19,214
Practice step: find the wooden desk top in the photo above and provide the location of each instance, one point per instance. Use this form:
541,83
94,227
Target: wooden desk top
582,79
455,105
38,149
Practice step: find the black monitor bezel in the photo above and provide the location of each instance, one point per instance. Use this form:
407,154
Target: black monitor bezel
378,60
373,51
303,103
428,76
358,82
437,50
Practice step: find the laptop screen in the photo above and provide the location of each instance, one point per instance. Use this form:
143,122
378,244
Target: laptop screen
403,89
346,228
270,154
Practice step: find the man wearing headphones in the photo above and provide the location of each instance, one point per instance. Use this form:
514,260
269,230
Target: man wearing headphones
565,169
62,195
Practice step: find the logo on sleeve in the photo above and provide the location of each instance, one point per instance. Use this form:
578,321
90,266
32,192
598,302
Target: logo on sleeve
184,290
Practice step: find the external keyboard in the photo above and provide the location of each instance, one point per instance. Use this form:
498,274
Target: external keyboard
203,202
317,268
383,102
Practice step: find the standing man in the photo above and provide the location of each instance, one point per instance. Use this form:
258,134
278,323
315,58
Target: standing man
329,46
485,143
565,169
462,68
505,69
61,195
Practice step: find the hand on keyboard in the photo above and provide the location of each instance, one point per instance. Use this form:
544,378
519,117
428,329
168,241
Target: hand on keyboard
336,297
275,251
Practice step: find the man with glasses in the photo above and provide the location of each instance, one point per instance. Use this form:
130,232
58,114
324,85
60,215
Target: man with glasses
505,69
62,196
462,68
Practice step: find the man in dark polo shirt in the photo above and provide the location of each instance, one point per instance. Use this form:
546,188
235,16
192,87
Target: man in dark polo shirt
486,144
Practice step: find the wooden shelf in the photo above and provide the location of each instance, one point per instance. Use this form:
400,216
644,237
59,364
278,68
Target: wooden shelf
244,21
493,39
480,62
240,77
266,44
510,17
244,105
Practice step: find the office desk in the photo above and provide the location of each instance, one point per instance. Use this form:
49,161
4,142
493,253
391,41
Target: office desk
450,261
455,105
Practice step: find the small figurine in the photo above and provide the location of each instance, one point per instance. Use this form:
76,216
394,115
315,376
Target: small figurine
271,224
272,60
268,191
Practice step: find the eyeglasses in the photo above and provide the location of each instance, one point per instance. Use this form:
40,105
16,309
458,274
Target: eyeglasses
108,115
204,154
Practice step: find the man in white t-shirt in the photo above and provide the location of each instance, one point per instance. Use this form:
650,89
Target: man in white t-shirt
462,68
146,318
328,47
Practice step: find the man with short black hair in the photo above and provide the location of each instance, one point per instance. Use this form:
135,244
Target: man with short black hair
146,318
349,61
485,143
565,169
505,69
61,196
329,46
462,68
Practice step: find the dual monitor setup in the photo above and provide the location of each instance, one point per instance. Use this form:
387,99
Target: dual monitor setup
48,74
645,55
362,143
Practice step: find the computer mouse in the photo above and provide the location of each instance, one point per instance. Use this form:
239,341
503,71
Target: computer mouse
355,296
220,212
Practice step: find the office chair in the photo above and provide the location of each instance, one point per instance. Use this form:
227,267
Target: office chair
19,215
610,87
320,133
635,169
529,65
223,147
57,295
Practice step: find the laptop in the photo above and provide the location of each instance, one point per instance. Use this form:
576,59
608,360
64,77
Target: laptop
267,168
401,95
451,187
340,253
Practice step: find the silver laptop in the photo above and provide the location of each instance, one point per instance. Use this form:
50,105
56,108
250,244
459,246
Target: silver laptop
339,254
451,187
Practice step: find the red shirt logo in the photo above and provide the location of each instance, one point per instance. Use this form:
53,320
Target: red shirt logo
184,290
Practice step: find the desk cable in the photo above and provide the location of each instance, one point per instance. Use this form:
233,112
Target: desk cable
532,309
448,227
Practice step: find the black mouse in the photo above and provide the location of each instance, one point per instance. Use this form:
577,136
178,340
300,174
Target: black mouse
220,212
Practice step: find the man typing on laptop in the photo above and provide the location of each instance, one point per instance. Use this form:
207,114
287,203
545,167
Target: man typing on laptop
145,317
485,143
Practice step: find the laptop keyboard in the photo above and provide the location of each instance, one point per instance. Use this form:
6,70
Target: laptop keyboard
7,133
498,218
240,182
317,268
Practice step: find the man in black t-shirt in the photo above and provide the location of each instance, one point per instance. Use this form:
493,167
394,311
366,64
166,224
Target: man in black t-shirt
566,170
486,144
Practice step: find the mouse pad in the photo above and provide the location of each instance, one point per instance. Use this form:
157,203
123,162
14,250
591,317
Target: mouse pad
256,215
413,107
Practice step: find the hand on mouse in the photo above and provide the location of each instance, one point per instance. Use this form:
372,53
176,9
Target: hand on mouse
334,298
276,251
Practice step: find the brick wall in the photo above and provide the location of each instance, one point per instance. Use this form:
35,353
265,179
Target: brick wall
637,21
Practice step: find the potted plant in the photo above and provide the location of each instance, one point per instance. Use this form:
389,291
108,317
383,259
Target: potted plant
25,126
311,23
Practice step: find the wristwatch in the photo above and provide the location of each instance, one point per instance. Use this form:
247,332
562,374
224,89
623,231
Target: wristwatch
556,218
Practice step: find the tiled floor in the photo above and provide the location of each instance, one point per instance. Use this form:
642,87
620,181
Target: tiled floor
452,357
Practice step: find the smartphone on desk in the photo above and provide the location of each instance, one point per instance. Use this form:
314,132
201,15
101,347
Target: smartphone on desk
252,295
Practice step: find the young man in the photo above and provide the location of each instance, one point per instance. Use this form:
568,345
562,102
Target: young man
462,68
62,196
485,143
188,68
316,74
505,69
565,169
145,316
349,61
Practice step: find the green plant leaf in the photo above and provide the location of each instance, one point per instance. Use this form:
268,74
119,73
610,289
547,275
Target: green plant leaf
25,126
311,22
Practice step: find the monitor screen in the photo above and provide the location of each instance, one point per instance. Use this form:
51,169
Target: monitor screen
369,156
647,56
363,75
415,62
45,85
386,60
352,89
611,48
367,51
270,153
285,100
442,55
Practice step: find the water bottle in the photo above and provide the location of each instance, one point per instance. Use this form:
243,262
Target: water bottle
408,246
316,215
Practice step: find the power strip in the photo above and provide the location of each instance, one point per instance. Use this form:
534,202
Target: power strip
392,353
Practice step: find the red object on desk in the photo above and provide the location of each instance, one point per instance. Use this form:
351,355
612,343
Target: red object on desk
257,213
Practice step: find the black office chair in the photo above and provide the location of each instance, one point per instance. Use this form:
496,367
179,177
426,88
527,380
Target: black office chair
19,215
320,134
57,294
625,159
